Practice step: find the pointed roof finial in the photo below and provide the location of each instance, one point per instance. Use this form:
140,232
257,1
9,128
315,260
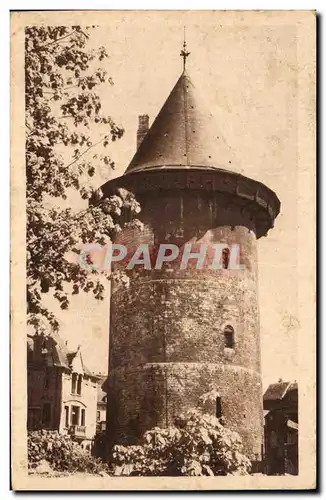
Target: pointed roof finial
184,53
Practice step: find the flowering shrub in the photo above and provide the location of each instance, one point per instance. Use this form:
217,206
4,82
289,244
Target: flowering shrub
196,445
61,453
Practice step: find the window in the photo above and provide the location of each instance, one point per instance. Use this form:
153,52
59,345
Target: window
79,384
82,417
74,383
66,416
225,258
75,415
218,407
46,415
98,416
229,337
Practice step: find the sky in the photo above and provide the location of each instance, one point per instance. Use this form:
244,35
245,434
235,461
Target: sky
248,76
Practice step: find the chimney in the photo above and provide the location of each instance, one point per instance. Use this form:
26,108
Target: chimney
143,126
38,345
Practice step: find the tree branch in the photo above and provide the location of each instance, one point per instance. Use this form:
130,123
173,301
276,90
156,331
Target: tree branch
86,151
63,37
58,39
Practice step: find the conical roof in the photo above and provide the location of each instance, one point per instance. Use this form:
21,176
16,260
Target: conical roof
185,134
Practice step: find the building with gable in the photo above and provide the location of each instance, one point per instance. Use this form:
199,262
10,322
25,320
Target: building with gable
62,392
281,428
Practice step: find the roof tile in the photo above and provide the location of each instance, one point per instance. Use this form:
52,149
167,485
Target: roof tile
184,134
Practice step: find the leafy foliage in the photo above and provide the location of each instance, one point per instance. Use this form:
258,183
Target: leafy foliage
65,129
196,445
61,453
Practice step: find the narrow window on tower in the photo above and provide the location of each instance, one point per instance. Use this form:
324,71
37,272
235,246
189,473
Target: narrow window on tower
225,258
66,416
229,337
218,407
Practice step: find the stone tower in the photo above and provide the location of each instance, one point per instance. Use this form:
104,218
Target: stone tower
176,334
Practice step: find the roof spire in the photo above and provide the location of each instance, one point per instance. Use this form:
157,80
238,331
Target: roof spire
184,53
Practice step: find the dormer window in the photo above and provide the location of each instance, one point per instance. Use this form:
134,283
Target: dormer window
229,337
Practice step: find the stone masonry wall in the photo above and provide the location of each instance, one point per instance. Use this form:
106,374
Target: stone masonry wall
153,394
167,326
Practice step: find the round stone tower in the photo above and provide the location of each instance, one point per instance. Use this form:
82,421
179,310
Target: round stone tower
177,333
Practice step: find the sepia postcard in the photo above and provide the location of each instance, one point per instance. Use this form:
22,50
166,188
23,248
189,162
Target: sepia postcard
163,177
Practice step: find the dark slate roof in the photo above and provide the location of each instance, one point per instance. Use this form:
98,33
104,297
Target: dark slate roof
58,354
276,392
58,351
105,385
184,134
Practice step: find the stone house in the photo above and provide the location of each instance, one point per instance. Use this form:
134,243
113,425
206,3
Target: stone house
62,392
281,428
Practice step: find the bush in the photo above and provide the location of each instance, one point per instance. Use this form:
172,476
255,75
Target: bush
61,453
197,445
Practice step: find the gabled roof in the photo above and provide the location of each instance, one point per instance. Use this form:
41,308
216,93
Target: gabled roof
276,392
75,358
57,353
184,134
